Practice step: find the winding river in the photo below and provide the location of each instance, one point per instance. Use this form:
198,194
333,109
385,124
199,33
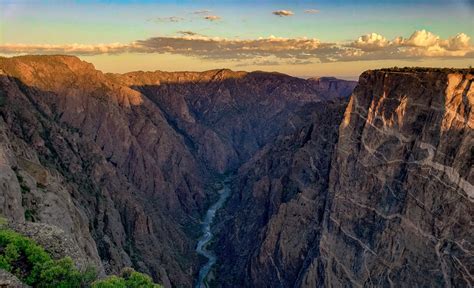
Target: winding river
207,236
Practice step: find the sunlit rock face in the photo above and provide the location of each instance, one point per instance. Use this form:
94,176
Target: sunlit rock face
391,206
401,193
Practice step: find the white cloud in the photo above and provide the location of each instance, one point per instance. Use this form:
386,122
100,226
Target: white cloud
70,49
458,42
311,11
420,44
283,13
422,38
370,42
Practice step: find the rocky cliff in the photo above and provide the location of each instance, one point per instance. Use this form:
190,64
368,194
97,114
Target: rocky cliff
401,193
384,200
124,164
274,216
85,148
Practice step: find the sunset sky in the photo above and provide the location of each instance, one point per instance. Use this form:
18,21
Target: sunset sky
301,38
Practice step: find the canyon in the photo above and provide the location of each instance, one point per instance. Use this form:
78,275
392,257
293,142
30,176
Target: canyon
331,182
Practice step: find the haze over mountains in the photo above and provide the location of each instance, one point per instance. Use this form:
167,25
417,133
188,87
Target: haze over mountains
330,185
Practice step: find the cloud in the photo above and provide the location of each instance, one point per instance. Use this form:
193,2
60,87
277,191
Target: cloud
188,33
370,42
421,38
69,49
232,49
212,18
420,44
458,42
202,12
283,13
311,11
167,19
272,50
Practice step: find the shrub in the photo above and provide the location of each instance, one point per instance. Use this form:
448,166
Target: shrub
31,264
110,282
28,261
129,278
137,280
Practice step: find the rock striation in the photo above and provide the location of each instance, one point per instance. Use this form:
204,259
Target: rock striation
387,201
401,193
274,217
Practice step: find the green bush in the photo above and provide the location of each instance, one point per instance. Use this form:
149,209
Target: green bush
110,282
129,278
32,265
28,261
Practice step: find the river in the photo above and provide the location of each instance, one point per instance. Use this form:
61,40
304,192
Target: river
207,236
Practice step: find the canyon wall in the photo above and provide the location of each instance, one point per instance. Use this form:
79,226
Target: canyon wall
386,201
401,193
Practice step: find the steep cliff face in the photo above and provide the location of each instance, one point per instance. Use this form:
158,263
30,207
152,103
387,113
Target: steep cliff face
392,206
274,217
123,163
401,185
103,156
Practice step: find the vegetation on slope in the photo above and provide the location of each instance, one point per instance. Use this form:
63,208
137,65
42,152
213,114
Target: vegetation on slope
29,262
128,278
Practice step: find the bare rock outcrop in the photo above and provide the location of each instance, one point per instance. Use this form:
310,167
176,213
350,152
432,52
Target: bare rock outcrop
393,209
8,280
401,186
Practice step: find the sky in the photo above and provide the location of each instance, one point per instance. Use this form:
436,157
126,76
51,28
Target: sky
301,38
